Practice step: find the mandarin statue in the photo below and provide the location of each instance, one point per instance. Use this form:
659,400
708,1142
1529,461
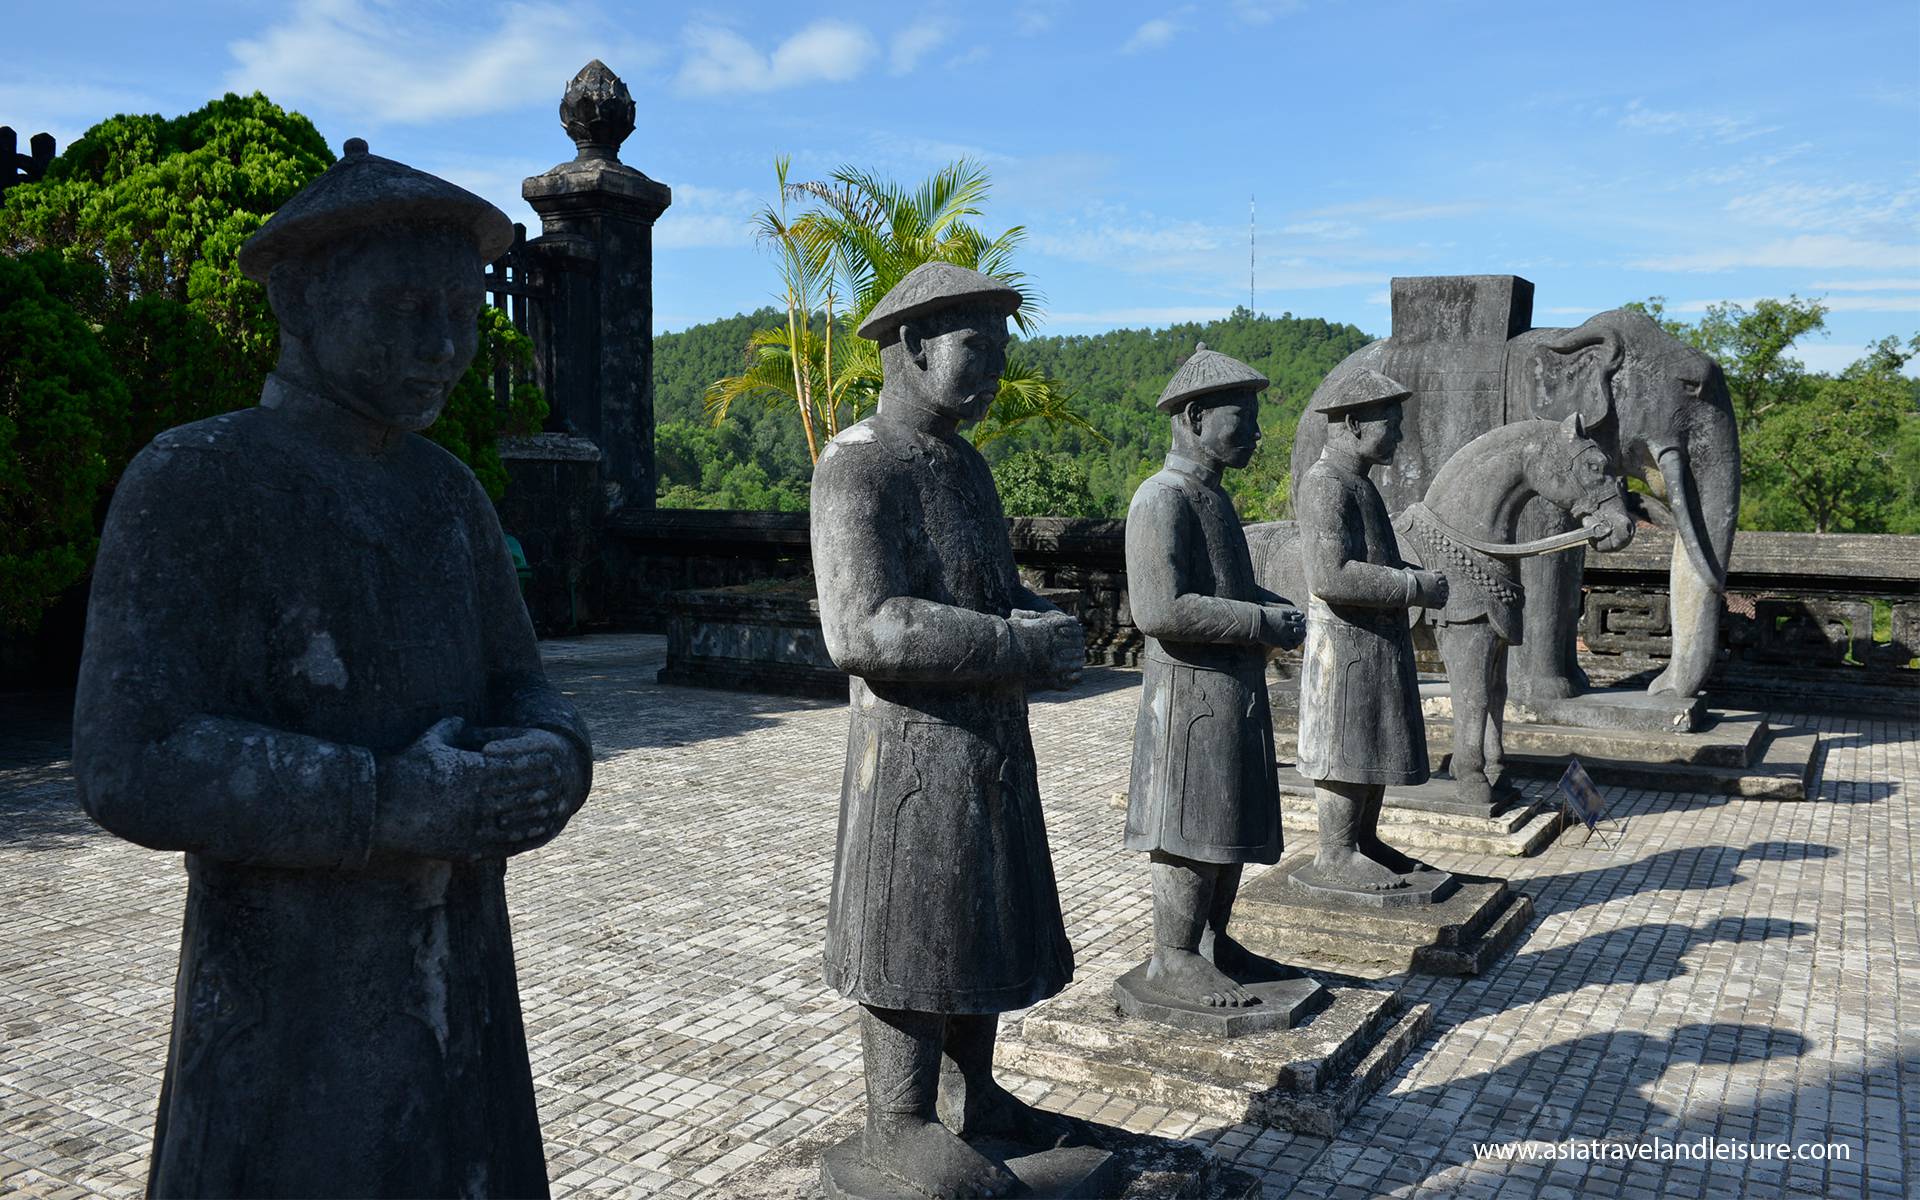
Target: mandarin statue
1204,798
944,911
308,668
1360,723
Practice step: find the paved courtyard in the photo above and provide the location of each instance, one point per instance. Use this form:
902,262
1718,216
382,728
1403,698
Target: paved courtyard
1742,971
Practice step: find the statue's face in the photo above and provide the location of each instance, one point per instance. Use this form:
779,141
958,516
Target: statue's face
961,356
1228,428
1376,431
390,324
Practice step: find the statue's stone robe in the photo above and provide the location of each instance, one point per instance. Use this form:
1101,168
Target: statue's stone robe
943,891
1203,784
1359,690
273,608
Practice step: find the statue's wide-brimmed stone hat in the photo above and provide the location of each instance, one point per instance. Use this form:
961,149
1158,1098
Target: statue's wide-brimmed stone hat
1206,372
1356,388
930,287
364,191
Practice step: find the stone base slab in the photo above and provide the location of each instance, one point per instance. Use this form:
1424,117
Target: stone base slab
1310,1078
1130,1166
1283,1003
1618,708
1068,1172
1427,816
1461,935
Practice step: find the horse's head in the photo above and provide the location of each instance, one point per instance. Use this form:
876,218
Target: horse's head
1570,470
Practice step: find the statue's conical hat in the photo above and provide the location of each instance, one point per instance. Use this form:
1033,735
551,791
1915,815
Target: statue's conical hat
930,287
1356,387
364,191
1207,371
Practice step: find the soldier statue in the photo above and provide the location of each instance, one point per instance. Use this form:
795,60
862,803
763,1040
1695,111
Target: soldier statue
1360,724
308,667
1204,798
944,910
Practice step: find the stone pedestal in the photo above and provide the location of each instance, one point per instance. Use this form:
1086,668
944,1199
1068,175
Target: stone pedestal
1069,1172
1635,741
1130,1166
1432,816
1283,1003
1309,1078
1461,931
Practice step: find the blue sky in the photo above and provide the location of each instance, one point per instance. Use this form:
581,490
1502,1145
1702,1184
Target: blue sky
1700,151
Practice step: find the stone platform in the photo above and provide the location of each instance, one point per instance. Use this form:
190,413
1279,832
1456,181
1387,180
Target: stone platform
1123,1165
1431,816
1658,743
1461,933
1309,1078
1619,708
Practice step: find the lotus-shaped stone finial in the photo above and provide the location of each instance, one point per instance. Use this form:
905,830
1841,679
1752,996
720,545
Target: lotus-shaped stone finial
597,112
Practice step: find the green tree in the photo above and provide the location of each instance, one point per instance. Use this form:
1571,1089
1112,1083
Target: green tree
62,409
153,212
837,260
1036,483
1836,445
474,420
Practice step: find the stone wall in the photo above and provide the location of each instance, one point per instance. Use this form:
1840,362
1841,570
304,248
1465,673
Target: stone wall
1799,631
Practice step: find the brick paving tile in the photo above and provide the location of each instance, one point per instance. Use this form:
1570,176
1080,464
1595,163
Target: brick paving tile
1732,972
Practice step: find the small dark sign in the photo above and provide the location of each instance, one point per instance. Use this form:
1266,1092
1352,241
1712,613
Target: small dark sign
1584,800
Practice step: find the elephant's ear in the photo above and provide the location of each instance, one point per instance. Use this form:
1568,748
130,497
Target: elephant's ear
1565,373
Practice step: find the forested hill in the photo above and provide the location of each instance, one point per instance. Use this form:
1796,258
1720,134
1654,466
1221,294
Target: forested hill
758,458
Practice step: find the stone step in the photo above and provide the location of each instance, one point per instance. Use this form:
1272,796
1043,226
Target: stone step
1310,1078
1459,935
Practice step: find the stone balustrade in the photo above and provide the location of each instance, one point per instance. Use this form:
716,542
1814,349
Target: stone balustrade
1813,620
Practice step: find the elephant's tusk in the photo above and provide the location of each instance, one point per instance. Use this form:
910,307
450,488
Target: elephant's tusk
1673,469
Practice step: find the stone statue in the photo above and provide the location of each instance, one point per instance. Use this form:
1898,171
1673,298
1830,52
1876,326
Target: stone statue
1204,798
944,910
1360,724
1466,526
308,667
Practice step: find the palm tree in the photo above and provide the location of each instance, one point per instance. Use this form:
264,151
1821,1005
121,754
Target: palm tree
863,236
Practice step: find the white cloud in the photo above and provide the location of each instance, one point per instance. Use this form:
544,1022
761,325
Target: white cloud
1810,251
1116,318
721,61
707,218
1696,124
1844,206
365,60
911,44
1869,285
1037,16
1263,12
1151,35
64,108
1832,304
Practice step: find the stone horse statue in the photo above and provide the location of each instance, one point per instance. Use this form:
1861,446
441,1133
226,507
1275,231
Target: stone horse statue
1465,529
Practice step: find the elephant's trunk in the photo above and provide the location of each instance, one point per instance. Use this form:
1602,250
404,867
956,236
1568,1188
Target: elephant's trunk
1703,484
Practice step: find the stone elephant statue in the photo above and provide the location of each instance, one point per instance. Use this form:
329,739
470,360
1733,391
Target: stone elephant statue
1658,408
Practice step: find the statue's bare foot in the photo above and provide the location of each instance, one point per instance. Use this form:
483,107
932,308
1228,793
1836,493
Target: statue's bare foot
1353,869
991,1111
926,1155
1473,788
1184,975
1393,860
1244,965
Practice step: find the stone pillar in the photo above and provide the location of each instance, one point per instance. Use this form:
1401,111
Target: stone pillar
593,271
